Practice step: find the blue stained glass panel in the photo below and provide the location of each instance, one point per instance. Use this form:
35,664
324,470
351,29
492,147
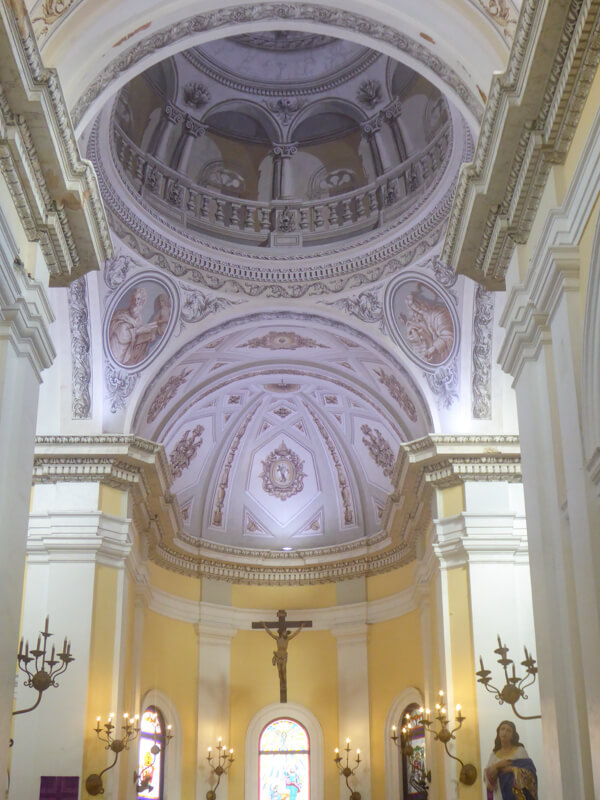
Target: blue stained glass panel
284,776
284,766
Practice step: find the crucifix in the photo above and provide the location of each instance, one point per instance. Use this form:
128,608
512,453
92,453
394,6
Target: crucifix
283,637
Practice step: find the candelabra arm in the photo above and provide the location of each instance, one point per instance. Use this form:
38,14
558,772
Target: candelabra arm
353,794
106,769
520,716
456,758
35,705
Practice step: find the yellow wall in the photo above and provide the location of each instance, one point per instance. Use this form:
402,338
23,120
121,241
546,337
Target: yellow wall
395,663
388,583
170,664
173,583
463,677
312,682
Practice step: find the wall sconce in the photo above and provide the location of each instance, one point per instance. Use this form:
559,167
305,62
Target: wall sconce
220,767
420,777
344,768
468,772
143,779
93,783
514,688
44,671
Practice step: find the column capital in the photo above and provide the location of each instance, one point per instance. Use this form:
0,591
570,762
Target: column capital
393,109
284,149
193,127
470,538
173,114
372,125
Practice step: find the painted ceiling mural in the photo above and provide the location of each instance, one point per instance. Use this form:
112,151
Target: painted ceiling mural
276,314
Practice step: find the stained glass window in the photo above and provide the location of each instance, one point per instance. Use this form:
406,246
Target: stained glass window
284,761
151,755
414,767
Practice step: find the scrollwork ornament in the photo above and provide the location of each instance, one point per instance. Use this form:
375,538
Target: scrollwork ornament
120,385
444,383
366,306
116,270
81,364
482,354
196,305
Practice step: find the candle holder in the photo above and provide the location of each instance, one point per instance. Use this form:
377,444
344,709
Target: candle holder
44,671
345,769
130,728
220,767
420,777
468,772
514,688
142,780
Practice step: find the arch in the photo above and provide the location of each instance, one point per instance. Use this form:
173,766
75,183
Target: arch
249,110
313,727
327,108
371,33
172,777
393,757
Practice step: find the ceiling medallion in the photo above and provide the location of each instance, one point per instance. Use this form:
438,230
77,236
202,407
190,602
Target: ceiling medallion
282,474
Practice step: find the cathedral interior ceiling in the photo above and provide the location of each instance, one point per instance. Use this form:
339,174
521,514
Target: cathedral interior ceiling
276,316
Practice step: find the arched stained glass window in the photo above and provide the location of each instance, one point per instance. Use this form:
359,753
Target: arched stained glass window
284,761
414,766
151,757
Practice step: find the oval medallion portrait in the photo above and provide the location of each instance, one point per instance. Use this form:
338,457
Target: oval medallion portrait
423,321
139,321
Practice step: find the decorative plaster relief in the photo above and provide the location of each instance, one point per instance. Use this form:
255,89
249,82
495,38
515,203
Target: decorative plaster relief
120,385
343,483
483,317
196,305
281,340
444,383
282,474
366,306
116,270
217,515
314,527
166,393
398,392
501,14
379,449
369,93
196,95
185,450
81,363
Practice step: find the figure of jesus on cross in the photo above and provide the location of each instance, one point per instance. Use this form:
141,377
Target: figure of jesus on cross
282,638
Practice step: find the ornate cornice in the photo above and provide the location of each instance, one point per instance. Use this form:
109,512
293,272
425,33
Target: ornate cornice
25,312
140,466
268,12
54,191
528,125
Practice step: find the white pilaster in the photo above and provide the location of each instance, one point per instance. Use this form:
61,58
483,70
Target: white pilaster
66,542
353,702
214,665
25,350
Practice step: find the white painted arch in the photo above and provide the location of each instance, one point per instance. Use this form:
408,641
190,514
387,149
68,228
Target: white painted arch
393,757
315,734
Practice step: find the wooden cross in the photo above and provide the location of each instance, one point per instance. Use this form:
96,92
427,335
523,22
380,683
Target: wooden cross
283,637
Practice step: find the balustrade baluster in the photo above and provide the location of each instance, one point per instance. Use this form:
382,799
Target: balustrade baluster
304,223
204,206
248,218
265,220
333,215
317,217
347,212
235,217
220,212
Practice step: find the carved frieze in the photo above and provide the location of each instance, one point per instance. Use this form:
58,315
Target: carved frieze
482,353
166,393
379,449
81,360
